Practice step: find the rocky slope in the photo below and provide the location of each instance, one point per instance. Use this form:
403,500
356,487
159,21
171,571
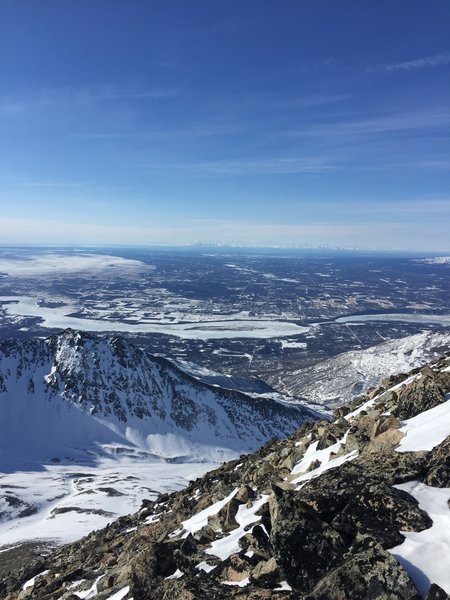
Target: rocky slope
75,392
356,508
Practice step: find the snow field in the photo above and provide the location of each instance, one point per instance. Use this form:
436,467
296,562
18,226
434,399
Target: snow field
426,430
425,555
72,501
232,326
199,520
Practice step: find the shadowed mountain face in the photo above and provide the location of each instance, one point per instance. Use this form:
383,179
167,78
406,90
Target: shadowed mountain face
75,392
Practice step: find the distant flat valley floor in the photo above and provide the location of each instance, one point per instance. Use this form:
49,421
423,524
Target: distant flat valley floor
244,312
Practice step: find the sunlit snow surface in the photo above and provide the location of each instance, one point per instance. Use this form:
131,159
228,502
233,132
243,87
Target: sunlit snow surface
246,516
426,430
339,379
44,264
426,555
233,326
73,500
200,519
323,457
120,594
404,317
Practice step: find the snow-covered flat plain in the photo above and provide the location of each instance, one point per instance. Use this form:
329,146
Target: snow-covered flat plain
36,265
404,317
72,500
234,326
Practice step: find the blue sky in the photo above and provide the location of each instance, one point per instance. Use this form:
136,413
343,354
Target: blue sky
297,123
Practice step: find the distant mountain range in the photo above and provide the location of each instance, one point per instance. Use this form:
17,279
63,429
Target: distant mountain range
76,393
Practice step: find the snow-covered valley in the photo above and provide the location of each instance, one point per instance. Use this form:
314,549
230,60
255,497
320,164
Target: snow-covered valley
337,380
57,504
90,426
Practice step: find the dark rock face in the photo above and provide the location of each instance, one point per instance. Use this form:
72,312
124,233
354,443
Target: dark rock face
436,593
426,393
364,503
304,545
367,573
326,540
438,466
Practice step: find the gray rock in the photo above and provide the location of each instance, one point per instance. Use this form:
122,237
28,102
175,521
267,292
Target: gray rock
436,593
304,546
367,573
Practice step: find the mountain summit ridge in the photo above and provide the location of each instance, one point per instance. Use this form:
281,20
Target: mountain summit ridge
355,508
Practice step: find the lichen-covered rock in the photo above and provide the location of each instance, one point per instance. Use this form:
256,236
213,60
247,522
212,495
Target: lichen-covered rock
367,573
438,466
421,395
303,544
266,572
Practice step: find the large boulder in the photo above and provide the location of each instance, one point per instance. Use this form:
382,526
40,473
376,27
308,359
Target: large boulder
438,466
427,392
367,573
304,546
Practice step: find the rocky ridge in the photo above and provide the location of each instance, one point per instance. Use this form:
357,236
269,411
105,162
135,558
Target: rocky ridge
77,390
319,515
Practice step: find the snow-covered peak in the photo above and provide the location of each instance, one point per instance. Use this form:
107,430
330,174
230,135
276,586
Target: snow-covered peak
76,391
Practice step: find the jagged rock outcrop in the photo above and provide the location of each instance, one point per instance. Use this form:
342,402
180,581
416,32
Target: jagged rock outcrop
77,390
312,517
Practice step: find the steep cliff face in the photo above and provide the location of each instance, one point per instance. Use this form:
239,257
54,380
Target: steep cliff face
356,508
75,392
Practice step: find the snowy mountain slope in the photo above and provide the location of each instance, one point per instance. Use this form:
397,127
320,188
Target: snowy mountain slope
251,386
74,392
356,508
337,380
231,382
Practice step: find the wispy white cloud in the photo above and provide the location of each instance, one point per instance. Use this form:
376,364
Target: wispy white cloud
399,121
12,107
271,166
112,92
428,62
200,131
52,184
434,164
55,97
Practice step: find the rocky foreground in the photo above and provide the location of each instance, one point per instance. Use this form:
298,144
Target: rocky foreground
320,515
